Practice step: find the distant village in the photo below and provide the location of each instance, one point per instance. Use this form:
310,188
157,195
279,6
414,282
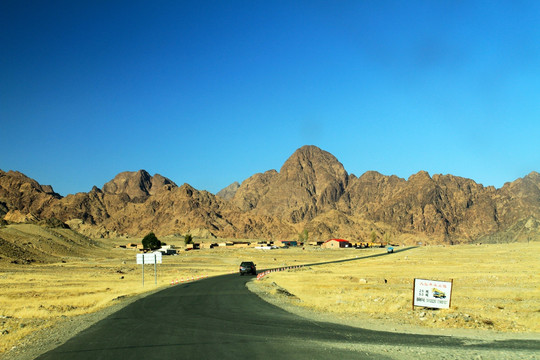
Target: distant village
268,245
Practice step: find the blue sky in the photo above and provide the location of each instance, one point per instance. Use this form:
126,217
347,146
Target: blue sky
212,92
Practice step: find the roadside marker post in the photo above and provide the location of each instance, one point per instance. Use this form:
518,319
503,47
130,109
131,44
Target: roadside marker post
149,258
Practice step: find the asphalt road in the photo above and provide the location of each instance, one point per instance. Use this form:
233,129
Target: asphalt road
219,318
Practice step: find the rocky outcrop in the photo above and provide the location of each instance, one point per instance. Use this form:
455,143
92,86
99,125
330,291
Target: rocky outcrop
23,197
228,192
312,191
138,185
441,206
309,182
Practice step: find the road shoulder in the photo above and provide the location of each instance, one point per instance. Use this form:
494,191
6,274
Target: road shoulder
380,324
50,338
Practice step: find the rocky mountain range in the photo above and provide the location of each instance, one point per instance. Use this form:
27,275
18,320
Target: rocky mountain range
312,191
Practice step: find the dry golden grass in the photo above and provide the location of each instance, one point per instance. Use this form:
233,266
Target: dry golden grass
38,296
495,286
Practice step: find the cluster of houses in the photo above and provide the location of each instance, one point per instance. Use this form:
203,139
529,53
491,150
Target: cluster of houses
279,244
328,244
165,249
342,243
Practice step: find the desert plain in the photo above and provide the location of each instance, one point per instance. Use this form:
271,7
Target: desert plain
496,287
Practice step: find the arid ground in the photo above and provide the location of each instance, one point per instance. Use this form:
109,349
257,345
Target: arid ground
496,287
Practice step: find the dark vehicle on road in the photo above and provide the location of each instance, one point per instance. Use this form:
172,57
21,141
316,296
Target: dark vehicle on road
248,267
390,249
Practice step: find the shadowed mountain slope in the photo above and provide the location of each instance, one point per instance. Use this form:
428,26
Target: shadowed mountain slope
311,191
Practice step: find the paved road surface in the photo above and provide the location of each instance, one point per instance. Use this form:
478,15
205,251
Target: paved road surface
219,318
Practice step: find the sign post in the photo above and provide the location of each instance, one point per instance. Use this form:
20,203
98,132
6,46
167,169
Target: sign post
432,293
149,258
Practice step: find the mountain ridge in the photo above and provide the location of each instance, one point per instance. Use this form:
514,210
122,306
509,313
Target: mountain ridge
312,191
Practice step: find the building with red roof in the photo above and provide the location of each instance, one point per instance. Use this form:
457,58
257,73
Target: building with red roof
336,244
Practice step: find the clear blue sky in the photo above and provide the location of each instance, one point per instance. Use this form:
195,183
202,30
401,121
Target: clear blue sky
212,92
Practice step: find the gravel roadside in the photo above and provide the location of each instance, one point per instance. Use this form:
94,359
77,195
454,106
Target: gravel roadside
47,339
50,338
470,336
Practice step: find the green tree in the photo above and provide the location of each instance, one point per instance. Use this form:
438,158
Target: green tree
150,241
303,236
188,239
373,237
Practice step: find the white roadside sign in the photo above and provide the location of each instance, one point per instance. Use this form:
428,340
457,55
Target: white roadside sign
149,258
432,293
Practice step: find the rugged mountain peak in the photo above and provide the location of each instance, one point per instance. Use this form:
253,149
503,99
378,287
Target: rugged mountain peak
137,184
228,192
312,191
371,176
533,176
526,187
316,170
188,189
310,180
22,197
161,183
251,190
17,180
421,176
310,161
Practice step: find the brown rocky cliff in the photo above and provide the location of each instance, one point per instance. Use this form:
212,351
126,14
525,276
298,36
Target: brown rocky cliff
23,198
308,182
228,192
137,185
438,205
311,191
251,190
518,199
92,208
175,211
